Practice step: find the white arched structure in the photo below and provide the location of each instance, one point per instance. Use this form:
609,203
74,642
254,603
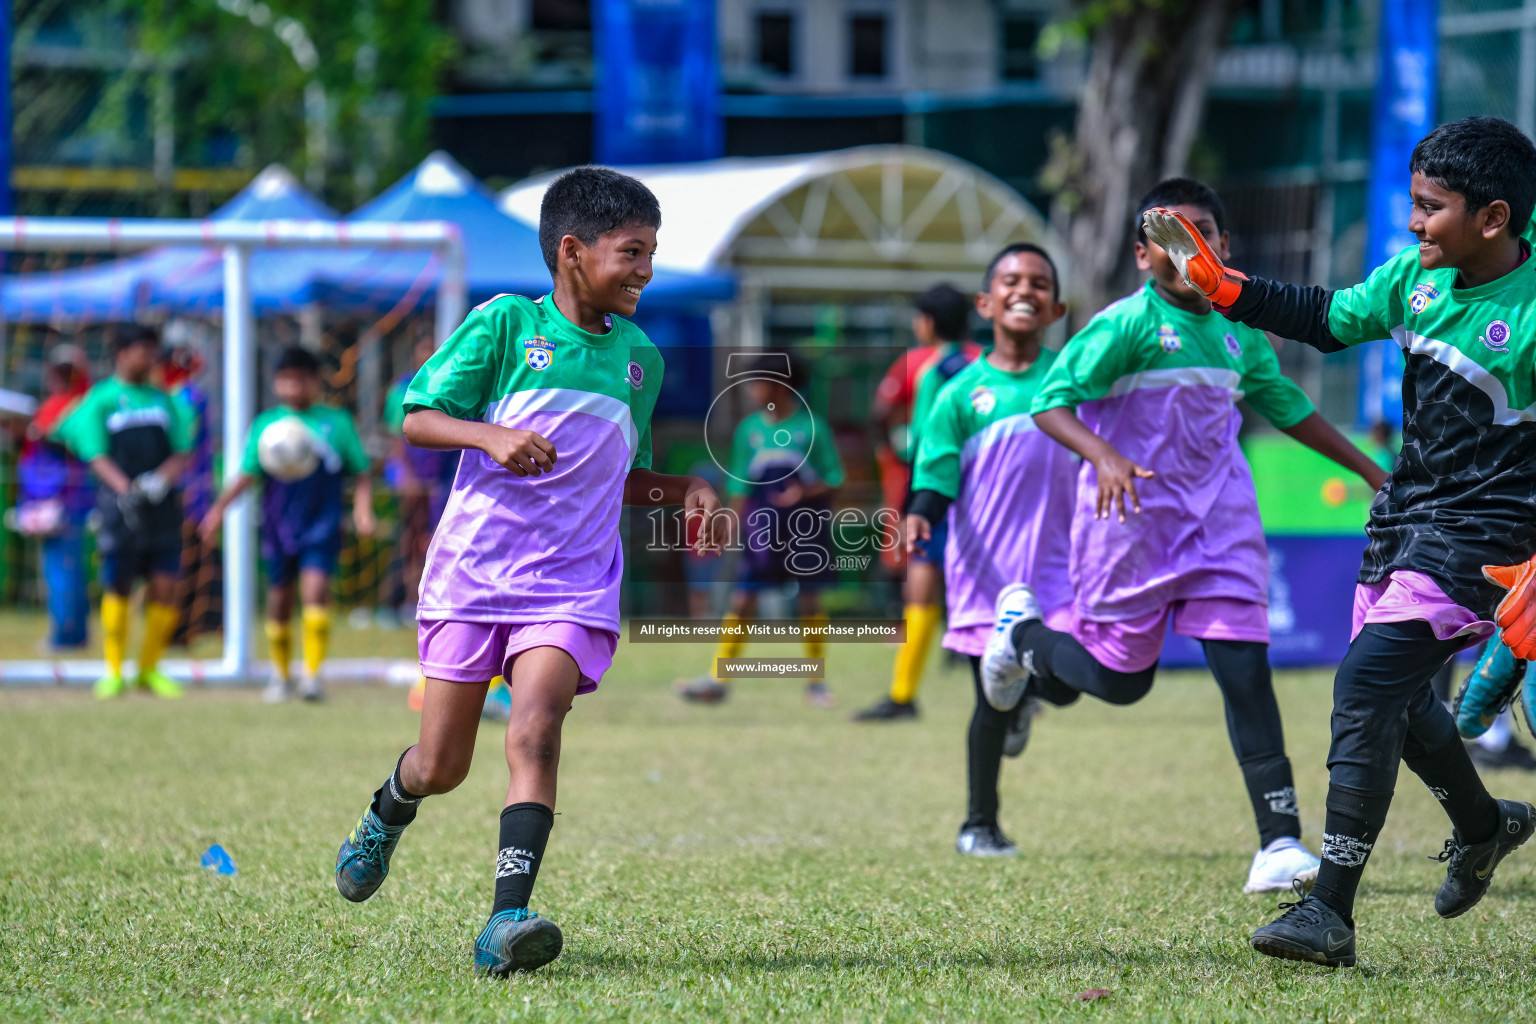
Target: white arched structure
872,219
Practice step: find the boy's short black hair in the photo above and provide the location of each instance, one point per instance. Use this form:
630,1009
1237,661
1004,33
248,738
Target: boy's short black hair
589,202
1017,247
1182,192
128,335
1483,158
299,358
948,308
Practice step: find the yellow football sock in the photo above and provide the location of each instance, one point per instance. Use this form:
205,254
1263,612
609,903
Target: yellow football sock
317,637
729,646
114,631
922,623
815,646
159,626
280,647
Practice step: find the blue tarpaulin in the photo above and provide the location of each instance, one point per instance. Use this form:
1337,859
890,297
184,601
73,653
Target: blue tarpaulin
501,254
174,279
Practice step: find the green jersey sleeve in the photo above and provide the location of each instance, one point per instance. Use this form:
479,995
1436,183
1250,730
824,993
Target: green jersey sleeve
84,431
348,445
1097,356
1271,393
393,418
937,466
182,430
1369,310
250,461
824,458
642,459
461,377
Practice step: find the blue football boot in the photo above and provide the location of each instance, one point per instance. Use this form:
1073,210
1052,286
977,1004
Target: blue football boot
516,940
1488,690
362,863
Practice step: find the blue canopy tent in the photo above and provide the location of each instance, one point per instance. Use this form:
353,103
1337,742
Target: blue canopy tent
501,254
174,279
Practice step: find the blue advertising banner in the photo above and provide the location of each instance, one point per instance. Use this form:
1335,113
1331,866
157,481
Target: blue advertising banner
1407,71
1311,603
657,82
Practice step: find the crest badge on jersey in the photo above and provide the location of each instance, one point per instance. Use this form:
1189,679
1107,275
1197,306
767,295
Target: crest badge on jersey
1169,338
1496,336
538,353
1234,347
983,400
636,375
1421,296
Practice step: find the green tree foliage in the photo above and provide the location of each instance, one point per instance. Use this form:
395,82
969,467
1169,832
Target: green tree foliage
236,87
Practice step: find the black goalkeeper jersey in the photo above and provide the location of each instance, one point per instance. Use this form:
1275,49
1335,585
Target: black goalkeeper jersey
1462,493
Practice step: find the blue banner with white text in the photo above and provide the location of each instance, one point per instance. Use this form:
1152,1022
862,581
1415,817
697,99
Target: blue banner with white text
1407,73
657,82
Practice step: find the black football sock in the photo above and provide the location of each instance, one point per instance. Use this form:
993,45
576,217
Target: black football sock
1241,669
1353,822
524,834
1273,796
392,802
1451,778
984,754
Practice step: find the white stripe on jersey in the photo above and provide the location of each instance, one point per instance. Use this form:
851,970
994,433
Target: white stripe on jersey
992,433
1180,376
613,410
1465,367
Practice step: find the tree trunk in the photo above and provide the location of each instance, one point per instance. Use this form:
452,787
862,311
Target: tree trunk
1147,78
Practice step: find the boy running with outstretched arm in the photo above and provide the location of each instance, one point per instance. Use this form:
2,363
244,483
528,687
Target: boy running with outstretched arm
135,438
301,519
1462,305
1156,379
1005,491
551,401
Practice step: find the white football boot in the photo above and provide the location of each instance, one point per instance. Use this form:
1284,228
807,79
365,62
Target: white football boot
1279,864
276,691
1003,678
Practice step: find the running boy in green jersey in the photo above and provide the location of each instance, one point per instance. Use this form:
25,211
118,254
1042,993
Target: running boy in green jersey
135,437
551,401
301,519
1462,306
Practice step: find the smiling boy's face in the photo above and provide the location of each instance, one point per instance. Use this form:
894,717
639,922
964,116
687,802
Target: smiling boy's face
1022,299
1447,231
610,273
1153,257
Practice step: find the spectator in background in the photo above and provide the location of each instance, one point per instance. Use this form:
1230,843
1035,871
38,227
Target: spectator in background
421,479
199,591
54,498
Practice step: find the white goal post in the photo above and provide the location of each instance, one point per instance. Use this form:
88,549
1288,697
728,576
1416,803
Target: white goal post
237,239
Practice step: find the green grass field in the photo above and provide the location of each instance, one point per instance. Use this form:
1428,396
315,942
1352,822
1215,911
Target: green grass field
754,860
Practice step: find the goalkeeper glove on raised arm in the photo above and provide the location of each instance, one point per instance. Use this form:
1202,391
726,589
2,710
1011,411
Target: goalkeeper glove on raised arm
1197,263
1516,614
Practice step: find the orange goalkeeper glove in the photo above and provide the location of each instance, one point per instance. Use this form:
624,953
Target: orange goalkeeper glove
1198,265
1516,614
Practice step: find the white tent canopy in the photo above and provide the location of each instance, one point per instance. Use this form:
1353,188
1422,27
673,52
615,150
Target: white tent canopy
871,218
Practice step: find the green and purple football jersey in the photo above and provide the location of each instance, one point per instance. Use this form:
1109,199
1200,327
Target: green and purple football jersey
1011,488
1162,385
538,549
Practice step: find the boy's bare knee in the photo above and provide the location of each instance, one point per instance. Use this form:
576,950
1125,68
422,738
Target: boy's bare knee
535,741
438,774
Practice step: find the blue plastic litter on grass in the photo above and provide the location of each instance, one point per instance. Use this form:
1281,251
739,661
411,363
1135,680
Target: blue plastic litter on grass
218,860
